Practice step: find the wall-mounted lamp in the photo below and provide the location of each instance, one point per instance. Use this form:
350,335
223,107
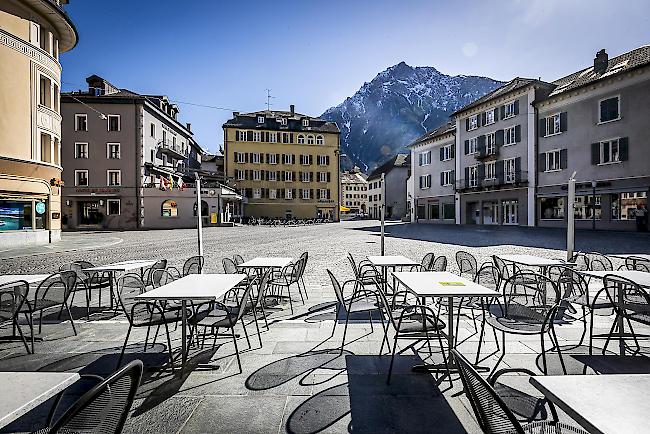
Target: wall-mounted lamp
101,202
67,203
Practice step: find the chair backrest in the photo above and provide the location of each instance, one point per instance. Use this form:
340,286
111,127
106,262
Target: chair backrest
638,264
502,268
488,276
105,407
245,298
338,290
12,297
467,263
492,414
193,265
353,264
304,256
427,261
238,259
530,298
570,283
56,287
161,264
229,266
439,264
262,287
581,261
636,301
128,287
161,277
599,262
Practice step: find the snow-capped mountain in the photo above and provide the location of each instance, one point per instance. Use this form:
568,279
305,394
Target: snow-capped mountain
399,105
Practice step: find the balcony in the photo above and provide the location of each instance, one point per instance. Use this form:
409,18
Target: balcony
506,180
174,150
485,154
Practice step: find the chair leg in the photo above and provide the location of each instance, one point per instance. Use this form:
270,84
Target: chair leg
126,339
290,301
67,308
545,368
245,333
345,330
559,351
336,319
445,360
234,339
257,327
584,326
146,339
385,338
169,349
392,360
20,332
612,329
503,352
591,333
30,321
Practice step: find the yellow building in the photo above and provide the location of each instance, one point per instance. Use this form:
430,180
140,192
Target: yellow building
285,164
32,34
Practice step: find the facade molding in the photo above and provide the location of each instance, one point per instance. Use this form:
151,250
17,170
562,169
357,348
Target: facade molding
34,53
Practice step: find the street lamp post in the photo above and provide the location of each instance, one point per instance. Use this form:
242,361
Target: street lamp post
383,209
198,213
570,225
593,204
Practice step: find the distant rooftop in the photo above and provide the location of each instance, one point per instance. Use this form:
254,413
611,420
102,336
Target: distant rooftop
442,130
511,86
272,120
396,161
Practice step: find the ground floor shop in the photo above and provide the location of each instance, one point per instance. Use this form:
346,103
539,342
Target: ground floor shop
286,209
503,207
439,209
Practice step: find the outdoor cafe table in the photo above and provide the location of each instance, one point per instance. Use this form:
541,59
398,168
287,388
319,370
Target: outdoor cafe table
264,263
200,287
442,284
602,404
23,391
29,278
393,262
634,257
641,278
532,261
121,267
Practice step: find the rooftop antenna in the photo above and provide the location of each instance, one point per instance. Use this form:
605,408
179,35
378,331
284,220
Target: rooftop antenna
268,99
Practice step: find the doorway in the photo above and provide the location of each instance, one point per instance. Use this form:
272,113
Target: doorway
89,213
491,213
510,212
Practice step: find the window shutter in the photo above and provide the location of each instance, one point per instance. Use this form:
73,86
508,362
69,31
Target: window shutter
293,193
482,119
291,138
564,156
453,176
517,133
542,127
294,176
282,178
541,162
311,160
329,195
246,157
250,157
327,160
467,124
503,111
498,138
466,177
498,169
623,148
311,176
420,159
329,175
453,151
262,159
293,158
563,121
516,107
420,182
235,155
246,174
442,153
442,178
466,147
517,169
311,193
496,114
595,153
481,174
480,146
277,175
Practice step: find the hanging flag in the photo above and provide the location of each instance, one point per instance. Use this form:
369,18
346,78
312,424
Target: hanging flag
163,183
170,183
180,184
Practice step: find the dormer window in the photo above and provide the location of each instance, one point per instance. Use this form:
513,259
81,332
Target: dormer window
260,119
305,122
283,121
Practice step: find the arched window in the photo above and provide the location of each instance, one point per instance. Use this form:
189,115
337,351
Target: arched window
310,139
301,139
169,208
319,140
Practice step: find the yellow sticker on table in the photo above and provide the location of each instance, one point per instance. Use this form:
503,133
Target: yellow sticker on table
451,283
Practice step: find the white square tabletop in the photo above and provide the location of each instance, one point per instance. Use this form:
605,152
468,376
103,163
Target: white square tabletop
194,287
641,278
533,261
123,266
23,391
269,262
642,256
391,261
442,284
588,399
29,278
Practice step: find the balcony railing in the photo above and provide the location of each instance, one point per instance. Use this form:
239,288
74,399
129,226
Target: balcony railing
173,149
484,153
510,179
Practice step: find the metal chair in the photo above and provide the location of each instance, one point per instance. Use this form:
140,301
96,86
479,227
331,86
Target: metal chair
492,413
425,264
529,305
193,265
142,313
103,409
599,262
636,264
54,291
581,262
238,259
288,276
147,275
12,297
365,273
439,264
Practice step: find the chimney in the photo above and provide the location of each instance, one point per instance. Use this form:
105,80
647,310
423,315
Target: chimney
235,114
189,126
292,109
600,62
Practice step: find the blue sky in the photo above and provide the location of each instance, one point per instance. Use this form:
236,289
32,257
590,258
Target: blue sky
315,53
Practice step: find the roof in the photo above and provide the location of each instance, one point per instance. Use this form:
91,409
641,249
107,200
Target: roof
294,123
636,58
442,130
54,13
355,177
396,161
511,86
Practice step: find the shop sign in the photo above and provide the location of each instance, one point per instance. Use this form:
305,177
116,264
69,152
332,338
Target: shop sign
92,190
40,207
56,215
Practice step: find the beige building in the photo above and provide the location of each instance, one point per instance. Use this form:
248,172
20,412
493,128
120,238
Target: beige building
354,192
285,164
32,34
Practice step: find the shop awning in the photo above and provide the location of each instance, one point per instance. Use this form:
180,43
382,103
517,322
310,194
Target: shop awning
343,208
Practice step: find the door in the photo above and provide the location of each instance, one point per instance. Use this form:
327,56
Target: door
510,212
491,213
89,213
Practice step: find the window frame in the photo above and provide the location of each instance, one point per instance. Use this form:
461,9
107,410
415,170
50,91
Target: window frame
273,159
311,139
305,122
472,176
473,141
257,193
273,137
119,123
76,178
257,158
547,119
473,122
273,193
556,159
76,154
491,145
510,133
108,151
425,181
260,119
108,206
257,136
447,178
77,116
306,194
509,176
108,177
447,153
507,105
490,175
610,153
288,176
320,140
489,114
618,109
152,130
256,175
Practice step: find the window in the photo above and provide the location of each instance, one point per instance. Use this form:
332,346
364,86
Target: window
256,158
239,175
472,145
287,159
80,122
322,193
288,176
425,181
257,175
304,160
260,119
273,158
323,160
113,206
152,130
304,176
283,121
81,150
81,178
288,193
510,136
240,157
322,177
609,109
625,205
45,91
113,177
490,170
447,177
241,136
257,193
585,207
301,139
272,175
310,139
305,194
552,208
449,211
447,152
553,125
490,144
609,151
319,140
56,98
113,122
553,161
305,122
509,110
489,117
169,208
425,158
473,123
113,151
473,176
509,170
273,193
273,137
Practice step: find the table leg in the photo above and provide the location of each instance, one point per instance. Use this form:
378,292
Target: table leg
621,330
111,288
183,333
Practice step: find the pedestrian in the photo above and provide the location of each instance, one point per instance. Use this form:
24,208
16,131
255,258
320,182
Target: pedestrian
639,216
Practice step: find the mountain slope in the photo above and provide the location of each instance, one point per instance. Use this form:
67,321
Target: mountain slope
399,105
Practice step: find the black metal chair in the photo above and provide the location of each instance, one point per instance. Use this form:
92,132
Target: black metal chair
636,264
193,265
140,313
12,297
103,409
425,264
439,264
580,261
492,413
148,274
365,273
529,306
52,292
288,276
599,262
238,259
